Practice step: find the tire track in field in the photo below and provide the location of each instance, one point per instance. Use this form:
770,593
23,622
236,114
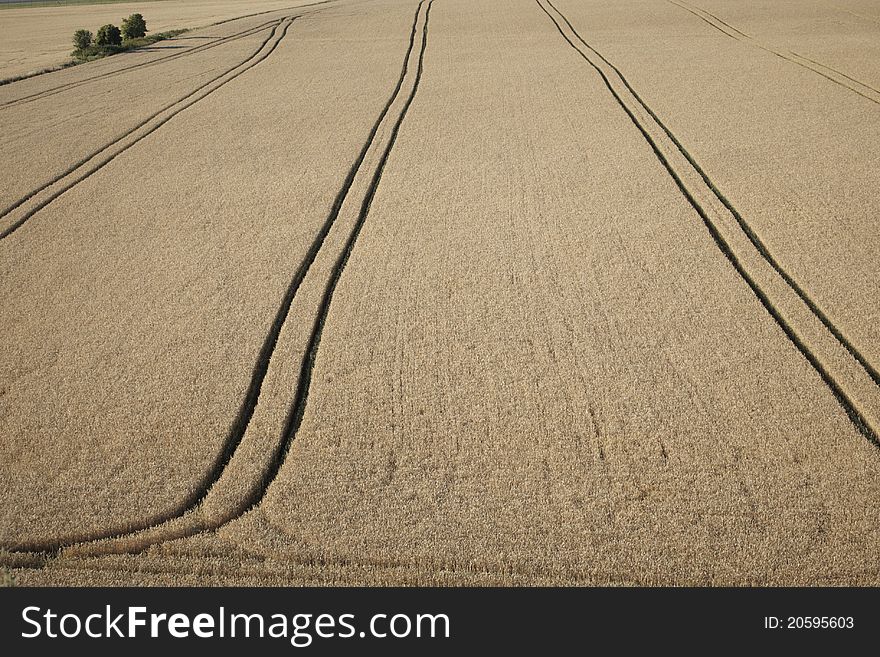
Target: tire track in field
756,241
711,24
837,77
39,198
196,49
298,408
835,71
873,19
849,365
270,11
45,93
161,529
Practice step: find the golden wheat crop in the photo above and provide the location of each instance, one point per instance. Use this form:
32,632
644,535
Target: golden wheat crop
34,38
451,292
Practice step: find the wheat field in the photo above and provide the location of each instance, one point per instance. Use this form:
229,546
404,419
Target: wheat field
35,38
447,292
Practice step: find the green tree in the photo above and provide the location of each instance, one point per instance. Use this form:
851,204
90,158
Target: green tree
82,39
108,35
134,27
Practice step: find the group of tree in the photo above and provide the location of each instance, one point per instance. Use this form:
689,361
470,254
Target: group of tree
110,36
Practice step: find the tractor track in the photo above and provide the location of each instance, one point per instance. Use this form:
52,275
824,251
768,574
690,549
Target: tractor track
271,11
82,170
298,408
104,543
839,78
39,95
753,237
858,418
873,19
46,93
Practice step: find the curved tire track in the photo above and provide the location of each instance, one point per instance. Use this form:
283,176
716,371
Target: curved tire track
88,157
271,340
843,398
298,408
45,93
103,543
271,11
82,170
53,547
197,49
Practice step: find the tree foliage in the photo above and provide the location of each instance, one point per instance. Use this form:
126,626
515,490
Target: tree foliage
82,39
134,27
108,35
